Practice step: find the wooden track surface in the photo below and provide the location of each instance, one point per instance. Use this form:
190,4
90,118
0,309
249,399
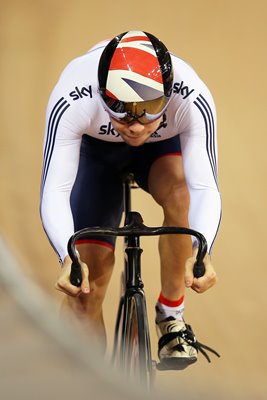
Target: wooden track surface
225,41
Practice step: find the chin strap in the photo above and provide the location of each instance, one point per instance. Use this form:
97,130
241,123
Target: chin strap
163,123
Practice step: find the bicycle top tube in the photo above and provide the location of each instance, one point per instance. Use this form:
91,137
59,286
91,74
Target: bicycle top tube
136,228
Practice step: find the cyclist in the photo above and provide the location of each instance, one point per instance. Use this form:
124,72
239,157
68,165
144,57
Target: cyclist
130,105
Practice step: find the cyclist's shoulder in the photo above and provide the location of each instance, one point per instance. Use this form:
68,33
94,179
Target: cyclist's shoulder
84,65
186,75
188,89
77,83
181,66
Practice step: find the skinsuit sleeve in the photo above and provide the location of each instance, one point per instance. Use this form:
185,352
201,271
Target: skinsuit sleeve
199,149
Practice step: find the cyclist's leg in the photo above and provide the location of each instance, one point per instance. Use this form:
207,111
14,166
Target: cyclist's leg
168,187
159,171
165,181
88,308
96,200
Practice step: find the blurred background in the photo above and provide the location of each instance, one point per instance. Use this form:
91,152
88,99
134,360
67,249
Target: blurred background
225,41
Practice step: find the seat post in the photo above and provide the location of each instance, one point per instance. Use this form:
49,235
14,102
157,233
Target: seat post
127,206
127,181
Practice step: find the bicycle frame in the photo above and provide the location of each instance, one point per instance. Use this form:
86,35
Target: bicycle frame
132,295
132,306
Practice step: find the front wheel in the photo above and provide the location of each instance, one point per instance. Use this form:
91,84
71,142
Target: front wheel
136,351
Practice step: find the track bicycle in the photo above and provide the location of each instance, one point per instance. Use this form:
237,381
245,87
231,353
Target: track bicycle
131,348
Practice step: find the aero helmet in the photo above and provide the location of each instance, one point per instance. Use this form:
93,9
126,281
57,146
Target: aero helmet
135,77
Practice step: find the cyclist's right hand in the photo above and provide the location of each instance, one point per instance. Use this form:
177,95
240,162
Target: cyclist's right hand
63,283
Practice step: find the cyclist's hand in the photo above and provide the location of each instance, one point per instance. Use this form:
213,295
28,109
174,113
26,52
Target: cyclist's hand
203,283
63,283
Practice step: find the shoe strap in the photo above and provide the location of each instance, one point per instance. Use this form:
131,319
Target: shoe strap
188,336
202,347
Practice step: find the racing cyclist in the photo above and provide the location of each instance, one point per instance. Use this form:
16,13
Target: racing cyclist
128,105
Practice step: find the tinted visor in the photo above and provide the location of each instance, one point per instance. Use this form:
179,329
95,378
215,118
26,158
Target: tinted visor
143,111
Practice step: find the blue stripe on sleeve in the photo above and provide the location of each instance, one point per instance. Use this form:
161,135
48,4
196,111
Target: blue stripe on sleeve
56,114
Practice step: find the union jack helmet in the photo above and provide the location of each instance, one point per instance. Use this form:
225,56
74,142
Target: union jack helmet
135,77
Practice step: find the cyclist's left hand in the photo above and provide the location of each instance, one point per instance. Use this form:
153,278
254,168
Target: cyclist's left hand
203,283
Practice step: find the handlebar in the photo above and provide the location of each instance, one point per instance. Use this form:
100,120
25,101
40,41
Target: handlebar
134,228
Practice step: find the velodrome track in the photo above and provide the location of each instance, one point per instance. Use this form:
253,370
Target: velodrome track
225,41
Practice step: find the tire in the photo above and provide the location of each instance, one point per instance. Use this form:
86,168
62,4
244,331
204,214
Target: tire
119,328
136,350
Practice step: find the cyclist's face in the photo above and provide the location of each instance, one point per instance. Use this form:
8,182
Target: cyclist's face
135,133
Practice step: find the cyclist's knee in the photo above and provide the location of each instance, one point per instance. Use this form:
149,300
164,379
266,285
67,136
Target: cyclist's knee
97,256
100,261
175,199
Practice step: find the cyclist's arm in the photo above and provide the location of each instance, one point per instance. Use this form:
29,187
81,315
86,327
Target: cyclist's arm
61,159
199,149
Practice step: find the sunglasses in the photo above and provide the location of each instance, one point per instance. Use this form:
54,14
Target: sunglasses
143,112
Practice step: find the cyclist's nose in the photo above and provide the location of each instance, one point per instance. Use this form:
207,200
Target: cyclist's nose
136,127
